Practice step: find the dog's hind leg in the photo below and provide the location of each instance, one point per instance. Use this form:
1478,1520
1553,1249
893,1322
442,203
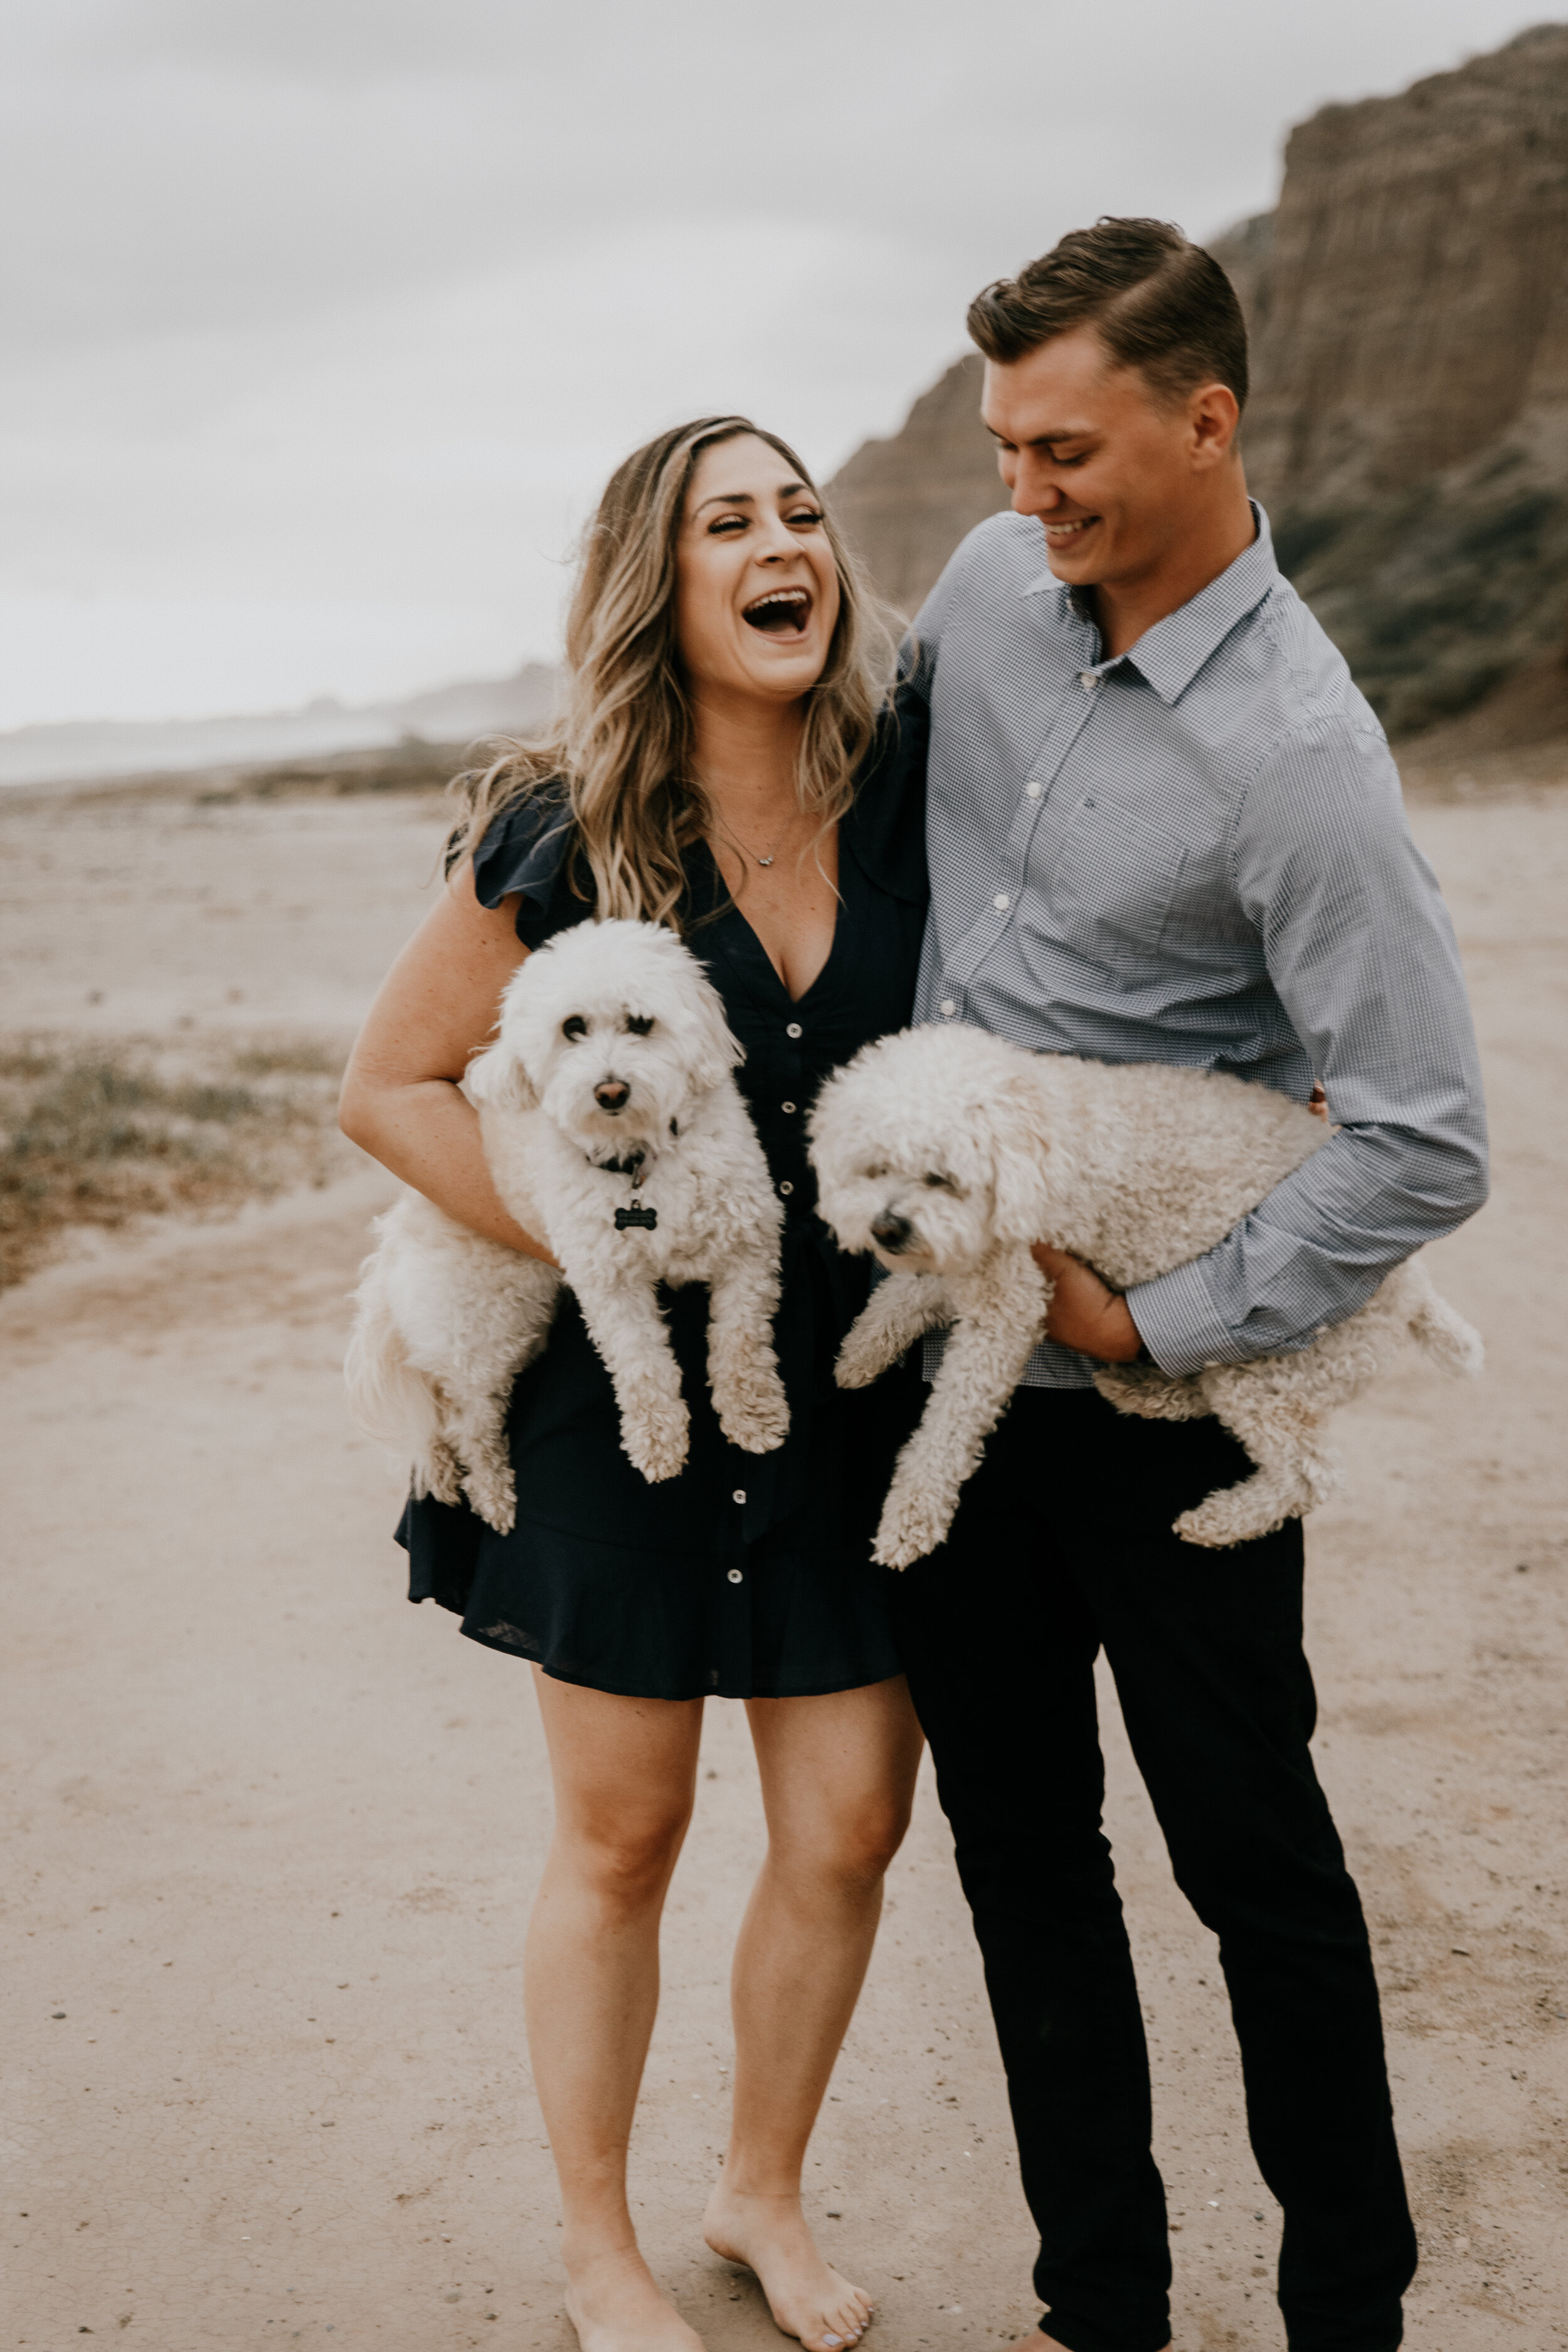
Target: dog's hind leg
624,1322
394,1401
1002,1313
900,1311
519,1328
742,1370
438,1470
1271,1406
476,1429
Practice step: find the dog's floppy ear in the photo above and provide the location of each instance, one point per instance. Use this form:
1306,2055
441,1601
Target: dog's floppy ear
1020,1139
497,1079
713,1050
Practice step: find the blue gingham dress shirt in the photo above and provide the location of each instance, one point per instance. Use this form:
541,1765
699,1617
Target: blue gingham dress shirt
1197,854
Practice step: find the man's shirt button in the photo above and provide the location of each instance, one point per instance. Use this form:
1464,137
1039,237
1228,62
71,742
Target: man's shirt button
735,1576
948,1008
795,1030
786,1106
1001,902
1033,789
1087,680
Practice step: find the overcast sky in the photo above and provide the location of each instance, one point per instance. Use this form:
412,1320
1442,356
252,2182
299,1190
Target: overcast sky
325,320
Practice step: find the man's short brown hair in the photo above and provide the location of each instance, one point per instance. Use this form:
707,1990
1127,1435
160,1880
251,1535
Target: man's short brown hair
1157,303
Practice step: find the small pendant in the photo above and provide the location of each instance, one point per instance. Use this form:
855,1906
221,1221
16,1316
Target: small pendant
767,861
637,1215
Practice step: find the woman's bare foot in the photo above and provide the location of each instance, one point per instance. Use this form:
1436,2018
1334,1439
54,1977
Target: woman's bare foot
807,2295
616,2304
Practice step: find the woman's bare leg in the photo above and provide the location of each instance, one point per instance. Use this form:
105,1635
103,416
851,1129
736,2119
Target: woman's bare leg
839,1776
623,1771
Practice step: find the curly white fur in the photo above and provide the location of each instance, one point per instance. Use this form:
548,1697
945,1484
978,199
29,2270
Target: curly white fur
947,1152
609,1086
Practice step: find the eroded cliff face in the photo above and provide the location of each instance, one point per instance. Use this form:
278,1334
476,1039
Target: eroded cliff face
1413,304
1408,426
906,503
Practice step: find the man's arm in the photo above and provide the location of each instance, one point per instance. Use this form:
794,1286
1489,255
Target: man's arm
1360,949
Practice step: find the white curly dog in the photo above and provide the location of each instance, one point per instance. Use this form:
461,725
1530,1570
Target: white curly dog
616,1134
947,1151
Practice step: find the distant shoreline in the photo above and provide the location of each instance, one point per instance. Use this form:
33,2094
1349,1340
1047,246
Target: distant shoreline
86,751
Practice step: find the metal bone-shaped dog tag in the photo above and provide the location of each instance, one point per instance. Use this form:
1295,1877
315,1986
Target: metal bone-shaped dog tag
644,1217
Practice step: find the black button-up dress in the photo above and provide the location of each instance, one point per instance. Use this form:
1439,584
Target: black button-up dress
749,1576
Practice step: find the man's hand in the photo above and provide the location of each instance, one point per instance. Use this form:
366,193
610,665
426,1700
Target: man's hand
1083,1313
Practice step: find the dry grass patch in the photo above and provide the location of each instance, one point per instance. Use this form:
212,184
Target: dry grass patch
95,1132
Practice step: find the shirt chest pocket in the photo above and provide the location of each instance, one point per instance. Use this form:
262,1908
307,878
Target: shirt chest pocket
1103,883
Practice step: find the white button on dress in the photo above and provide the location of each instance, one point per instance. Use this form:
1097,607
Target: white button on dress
786,1106
735,1576
795,1030
787,1188
740,1495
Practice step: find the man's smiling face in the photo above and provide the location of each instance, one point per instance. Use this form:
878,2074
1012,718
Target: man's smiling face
1116,474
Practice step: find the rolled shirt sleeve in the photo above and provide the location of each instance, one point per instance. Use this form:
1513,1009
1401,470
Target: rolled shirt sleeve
1363,957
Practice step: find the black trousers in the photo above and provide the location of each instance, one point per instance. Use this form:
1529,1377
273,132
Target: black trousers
1062,1546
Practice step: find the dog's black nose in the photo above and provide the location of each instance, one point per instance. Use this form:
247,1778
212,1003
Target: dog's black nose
612,1094
891,1233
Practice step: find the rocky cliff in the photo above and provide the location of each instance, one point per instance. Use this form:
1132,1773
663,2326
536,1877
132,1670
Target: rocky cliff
1409,431
906,503
1408,428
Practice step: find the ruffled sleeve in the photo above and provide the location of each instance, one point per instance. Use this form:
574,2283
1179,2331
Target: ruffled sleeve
525,852
886,828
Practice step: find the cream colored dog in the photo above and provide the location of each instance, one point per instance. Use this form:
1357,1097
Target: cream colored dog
947,1151
616,1134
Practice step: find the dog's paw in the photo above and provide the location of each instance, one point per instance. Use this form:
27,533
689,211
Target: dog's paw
862,1358
912,1526
1224,1521
754,1415
655,1443
1200,1526
493,1494
444,1474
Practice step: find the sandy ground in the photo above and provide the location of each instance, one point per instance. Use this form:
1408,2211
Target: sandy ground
273,1834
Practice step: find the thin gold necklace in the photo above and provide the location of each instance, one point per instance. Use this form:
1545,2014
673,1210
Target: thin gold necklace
752,854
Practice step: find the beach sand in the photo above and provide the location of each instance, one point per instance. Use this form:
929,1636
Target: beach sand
272,1833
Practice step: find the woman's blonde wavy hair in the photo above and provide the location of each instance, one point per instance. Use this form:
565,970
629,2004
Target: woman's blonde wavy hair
621,744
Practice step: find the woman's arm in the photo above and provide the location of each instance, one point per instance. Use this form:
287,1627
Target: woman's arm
437,1006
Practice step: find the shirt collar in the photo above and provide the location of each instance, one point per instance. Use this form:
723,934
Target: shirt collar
1171,654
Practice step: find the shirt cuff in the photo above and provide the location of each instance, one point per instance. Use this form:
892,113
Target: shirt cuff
1177,1323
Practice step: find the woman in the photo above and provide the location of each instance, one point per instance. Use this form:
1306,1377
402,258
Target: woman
728,764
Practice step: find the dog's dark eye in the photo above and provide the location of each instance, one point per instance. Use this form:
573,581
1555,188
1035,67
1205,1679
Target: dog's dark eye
940,1185
639,1023
574,1028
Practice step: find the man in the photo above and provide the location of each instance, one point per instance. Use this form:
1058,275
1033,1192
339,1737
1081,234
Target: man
1165,826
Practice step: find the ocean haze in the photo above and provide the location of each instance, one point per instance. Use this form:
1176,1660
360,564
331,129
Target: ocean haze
324,324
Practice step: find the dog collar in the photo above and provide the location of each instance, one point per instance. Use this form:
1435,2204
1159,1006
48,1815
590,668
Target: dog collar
636,1215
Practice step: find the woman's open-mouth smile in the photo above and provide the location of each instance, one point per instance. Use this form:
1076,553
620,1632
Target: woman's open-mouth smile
780,612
